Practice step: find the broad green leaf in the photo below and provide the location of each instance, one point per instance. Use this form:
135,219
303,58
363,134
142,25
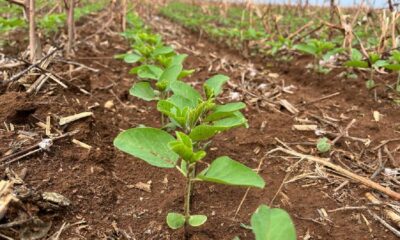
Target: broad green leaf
204,132
148,144
227,171
272,224
197,220
222,111
356,55
394,67
181,102
175,220
396,56
178,59
147,71
186,91
380,63
131,58
356,64
213,86
306,48
163,51
143,90
171,73
231,122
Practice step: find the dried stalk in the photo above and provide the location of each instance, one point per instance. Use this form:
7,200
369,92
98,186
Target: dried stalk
363,180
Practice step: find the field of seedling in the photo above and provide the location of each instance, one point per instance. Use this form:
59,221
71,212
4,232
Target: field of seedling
196,120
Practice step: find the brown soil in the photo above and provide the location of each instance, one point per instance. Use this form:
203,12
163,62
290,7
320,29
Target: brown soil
98,182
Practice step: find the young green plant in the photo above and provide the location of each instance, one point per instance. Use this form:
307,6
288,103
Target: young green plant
199,119
371,63
394,65
322,51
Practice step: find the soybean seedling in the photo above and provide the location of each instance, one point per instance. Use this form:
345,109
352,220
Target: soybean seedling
276,47
199,119
371,63
394,65
322,51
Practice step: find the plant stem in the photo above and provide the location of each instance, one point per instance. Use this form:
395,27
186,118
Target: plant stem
188,194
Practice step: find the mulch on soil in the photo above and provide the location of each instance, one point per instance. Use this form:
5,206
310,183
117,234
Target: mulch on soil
100,182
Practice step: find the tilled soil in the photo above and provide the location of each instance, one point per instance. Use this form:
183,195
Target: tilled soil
100,182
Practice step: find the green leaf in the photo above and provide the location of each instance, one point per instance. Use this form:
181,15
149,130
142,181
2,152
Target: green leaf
213,86
167,108
222,111
356,64
186,91
231,122
356,55
171,110
175,220
195,114
120,56
204,132
198,156
374,57
181,149
131,58
181,102
143,90
227,171
272,224
178,59
183,146
197,220
171,73
185,73
394,67
306,48
323,145
185,139
148,144
163,51
396,56
380,63
147,71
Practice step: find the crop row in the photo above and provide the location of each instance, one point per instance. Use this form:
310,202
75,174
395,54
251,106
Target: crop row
49,23
244,30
